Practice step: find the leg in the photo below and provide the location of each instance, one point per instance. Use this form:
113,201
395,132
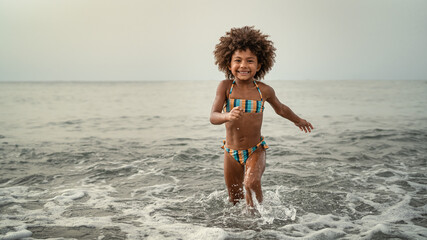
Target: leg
233,174
255,167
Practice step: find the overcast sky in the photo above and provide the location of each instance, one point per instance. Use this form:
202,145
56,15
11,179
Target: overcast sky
115,40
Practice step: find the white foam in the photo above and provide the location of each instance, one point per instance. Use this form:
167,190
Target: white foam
394,213
418,186
147,210
401,211
175,179
215,195
20,232
329,227
69,195
154,189
139,173
55,207
155,225
326,233
189,231
379,228
272,207
13,194
207,233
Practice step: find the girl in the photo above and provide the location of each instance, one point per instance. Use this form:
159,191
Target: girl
245,55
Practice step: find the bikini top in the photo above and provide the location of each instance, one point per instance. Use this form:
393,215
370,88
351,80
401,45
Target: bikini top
249,106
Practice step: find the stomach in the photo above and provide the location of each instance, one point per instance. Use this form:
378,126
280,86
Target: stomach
245,132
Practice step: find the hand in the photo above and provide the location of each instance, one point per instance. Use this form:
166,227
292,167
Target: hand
304,125
235,113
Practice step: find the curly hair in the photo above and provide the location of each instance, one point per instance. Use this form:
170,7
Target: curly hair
241,39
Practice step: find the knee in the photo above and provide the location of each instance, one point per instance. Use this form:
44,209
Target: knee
252,184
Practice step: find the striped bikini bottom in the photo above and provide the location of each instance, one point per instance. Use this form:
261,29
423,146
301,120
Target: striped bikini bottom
242,155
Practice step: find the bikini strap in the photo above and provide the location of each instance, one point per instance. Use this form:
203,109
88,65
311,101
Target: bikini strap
231,89
260,94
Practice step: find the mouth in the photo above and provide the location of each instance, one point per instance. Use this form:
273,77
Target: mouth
244,72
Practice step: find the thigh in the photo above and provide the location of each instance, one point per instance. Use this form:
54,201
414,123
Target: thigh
255,165
233,171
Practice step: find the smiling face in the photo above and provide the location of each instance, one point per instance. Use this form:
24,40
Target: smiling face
244,65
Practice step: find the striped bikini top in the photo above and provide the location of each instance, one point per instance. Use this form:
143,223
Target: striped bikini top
249,106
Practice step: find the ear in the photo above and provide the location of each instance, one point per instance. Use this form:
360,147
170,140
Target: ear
258,67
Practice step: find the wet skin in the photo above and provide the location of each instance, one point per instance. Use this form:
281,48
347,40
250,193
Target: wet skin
243,130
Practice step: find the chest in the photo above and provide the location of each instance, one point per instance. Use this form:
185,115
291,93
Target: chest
251,93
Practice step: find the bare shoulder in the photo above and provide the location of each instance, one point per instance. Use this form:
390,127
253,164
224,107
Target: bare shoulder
266,90
226,82
224,85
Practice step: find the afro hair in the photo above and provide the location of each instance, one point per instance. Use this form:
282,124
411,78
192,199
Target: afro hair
241,39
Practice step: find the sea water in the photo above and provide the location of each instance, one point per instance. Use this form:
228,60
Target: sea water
141,161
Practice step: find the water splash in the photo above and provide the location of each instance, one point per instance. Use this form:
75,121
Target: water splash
272,208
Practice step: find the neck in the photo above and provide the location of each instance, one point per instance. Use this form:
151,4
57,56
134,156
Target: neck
244,82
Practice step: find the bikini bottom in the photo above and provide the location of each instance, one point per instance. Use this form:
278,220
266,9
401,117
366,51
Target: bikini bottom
242,155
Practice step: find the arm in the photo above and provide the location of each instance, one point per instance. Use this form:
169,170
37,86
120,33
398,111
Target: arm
217,116
284,111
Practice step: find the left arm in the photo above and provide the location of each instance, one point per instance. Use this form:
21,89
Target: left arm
284,111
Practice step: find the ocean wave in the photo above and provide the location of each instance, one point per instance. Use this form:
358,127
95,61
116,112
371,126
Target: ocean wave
120,168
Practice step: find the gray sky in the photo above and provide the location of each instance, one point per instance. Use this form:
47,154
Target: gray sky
68,40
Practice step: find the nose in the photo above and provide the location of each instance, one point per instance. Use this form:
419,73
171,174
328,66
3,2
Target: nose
244,64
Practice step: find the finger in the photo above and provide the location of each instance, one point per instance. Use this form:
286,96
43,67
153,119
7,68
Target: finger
234,115
236,110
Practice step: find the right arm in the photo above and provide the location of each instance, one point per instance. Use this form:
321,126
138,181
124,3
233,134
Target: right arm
217,116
